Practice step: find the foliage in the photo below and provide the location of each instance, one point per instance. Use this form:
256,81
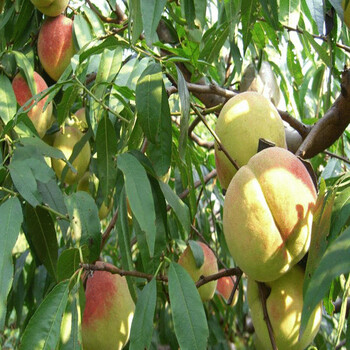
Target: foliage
148,73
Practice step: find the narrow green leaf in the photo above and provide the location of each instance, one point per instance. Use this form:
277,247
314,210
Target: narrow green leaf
151,11
26,67
107,148
324,55
270,10
95,21
142,323
52,196
189,12
316,10
43,329
42,236
249,11
8,103
68,263
136,16
293,64
336,261
197,252
185,112
139,193
85,222
190,323
63,108
149,96
11,220
81,30
181,210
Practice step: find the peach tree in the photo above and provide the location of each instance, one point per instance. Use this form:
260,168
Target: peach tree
118,146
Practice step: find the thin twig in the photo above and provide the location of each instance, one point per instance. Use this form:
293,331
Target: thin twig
262,295
234,271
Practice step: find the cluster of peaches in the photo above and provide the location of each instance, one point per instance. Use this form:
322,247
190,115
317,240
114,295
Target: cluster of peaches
267,217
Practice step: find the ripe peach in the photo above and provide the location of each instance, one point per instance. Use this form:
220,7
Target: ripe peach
50,7
41,118
268,213
66,142
108,313
55,45
284,306
243,120
225,287
209,267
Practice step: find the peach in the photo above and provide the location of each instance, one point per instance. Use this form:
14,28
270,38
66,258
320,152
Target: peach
66,142
55,45
40,117
225,287
284,306
209,267
243,120
108,313
268,213
50,7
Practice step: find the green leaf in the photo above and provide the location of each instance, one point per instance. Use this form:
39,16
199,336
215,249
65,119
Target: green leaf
85,222
185,112
270,10
151,11
26,67
293,64
43,329
136,16
52,196
142,323
320,231
336,261
68,263
249,10
190,322
189,12
197,252
324,55
63,108
139,193
316,10
8,103
150,102
11,220
81,30
154,116
42,237
341,211
181,210
214,43
107,148
70,337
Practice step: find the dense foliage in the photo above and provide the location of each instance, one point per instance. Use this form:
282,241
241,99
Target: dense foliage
153,77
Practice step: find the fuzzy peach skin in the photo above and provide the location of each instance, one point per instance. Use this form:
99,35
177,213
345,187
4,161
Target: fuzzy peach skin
50,8
108,313
209,267
225,287
284,306
66,142
42,119
268,213
244,119
55,45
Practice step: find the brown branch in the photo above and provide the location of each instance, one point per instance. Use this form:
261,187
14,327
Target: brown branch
262,294
109,229
102,266
300,127
333,155
100,15
331,126
234,271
